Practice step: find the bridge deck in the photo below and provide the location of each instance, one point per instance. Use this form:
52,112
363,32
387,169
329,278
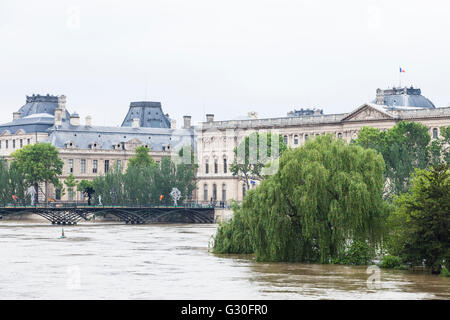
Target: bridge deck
128,214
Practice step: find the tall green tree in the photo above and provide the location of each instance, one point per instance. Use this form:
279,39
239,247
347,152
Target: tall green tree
17,185
440,147
420,227
254,153
86,187
142,158
110,186
325,195
5,193
38,163
404,148
138,179
71,183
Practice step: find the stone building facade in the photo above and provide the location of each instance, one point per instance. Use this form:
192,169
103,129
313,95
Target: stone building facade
216,140
89,151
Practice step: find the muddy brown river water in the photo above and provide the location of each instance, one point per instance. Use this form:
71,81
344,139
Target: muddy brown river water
116,261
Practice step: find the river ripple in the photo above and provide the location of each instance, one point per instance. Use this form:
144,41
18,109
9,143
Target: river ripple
115,261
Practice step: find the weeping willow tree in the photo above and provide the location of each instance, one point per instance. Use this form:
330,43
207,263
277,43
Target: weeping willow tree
325,195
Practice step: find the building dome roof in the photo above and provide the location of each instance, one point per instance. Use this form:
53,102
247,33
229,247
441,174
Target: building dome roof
403,97
37,104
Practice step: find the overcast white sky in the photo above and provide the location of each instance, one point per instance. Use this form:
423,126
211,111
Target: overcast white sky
222,57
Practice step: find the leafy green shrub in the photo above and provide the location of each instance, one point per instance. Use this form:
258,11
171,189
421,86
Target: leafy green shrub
445,272
390,261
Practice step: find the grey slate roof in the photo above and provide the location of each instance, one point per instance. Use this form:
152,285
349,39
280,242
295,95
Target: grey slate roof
403,97
40,104
28,125
149,113
83,137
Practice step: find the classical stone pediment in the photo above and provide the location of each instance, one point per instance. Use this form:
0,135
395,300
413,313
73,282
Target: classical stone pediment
132,144
368,112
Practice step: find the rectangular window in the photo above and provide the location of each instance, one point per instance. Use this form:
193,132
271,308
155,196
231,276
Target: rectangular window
435,133
94,166
106,166
71,165
28,141
216,166
0,144
6,143
119,165
70,191
14,144
225,167
21,143
83,165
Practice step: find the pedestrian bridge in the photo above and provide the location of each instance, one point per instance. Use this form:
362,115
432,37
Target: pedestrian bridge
70,214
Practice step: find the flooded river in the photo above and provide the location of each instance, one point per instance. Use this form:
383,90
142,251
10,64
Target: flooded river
116,261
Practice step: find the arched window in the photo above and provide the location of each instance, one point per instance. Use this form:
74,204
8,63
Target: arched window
224,192
206,166
285,139
340,135
205,192
225,165
296,139
306,137
435,133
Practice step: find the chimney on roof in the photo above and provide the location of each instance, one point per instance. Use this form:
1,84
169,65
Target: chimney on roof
16,115
136,123
187,122
173,124
88,121
380,97
74,119
209,117
62,105
58,117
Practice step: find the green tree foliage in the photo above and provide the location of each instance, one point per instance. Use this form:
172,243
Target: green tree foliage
142,158
71,183
86,187
38,163
419,228
145,181
17,186
440,147
254,153
325,196
234,237
5,193
110,187
404,147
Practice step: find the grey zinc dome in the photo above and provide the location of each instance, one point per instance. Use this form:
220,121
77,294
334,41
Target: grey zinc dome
37,104
403,97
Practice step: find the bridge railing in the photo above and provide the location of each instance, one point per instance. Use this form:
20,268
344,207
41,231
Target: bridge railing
71,205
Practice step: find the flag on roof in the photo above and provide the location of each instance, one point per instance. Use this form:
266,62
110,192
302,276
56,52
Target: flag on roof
402,70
